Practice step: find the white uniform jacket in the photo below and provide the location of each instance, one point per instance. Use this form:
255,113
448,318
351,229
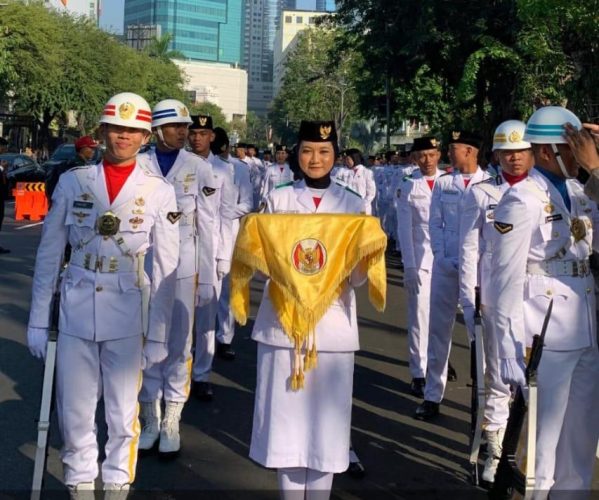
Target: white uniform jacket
445,212
274,176
223,204
413,212
243,188
361,180
101,298
337,331
477,237
195,186
535,231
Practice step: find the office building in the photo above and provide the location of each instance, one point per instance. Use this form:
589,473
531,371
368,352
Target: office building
204,30
291,24
220,84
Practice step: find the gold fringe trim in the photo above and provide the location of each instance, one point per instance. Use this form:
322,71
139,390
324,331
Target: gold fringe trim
301,326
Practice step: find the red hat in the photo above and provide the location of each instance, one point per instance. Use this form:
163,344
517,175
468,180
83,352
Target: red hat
87,141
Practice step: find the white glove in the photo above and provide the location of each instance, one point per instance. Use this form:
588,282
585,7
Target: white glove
513,372
223,267
447,265
411,280
154,352
204,294
37,340
469,321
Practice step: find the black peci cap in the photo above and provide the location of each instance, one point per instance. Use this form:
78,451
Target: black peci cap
199,122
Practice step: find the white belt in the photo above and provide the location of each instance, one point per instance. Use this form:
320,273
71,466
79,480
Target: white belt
104,264
574,268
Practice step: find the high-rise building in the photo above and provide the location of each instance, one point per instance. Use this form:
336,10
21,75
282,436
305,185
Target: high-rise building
291,24
205,30
89,8
321,5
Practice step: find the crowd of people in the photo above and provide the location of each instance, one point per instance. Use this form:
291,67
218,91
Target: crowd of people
145,294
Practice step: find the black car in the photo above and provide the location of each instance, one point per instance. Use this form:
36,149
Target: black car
21,168
65,153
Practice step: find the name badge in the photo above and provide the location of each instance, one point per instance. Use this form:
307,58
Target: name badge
552,218
83,204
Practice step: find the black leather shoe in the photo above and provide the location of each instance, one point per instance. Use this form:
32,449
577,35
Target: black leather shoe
4,250
356,470
417,387
224,351
452,375
427,410
203,391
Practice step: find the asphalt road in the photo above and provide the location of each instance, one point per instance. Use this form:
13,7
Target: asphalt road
404,458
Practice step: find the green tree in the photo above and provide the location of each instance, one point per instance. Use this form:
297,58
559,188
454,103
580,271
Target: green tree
213,110
319,84
160,48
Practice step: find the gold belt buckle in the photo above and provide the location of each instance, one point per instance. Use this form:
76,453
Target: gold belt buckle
87,260
113,265
99,264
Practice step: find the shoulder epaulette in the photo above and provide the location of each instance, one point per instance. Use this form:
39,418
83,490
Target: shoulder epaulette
352,191
490,180
407,177
290,183
445,174
79,167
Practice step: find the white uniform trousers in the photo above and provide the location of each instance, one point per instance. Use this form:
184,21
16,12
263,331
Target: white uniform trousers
205,337
85,370
171,379
567,425
444,302
497,402
226,321
418,318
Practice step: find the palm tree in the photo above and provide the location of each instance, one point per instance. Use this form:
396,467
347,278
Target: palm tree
159,48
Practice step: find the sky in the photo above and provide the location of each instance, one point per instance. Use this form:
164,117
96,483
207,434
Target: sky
111,18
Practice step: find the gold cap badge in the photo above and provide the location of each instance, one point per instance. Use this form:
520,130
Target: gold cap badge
203,120
455,135
515,136
126,110
183,111
325,132
434,142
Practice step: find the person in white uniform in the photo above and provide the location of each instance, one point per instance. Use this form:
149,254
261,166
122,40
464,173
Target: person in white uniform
243,201
444,229
110,214
290,431
221,202
192,179
277,174
547,230
414,212
477,237
358,178
254,171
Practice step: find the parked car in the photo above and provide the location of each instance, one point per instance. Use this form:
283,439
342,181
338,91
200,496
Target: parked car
21,168
65,153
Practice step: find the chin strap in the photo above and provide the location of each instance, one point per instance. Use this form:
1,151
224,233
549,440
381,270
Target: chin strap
161,137
560,162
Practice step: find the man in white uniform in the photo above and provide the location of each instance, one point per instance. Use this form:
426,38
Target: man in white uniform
546,226
277,174
243,201
414,211
444,226
221,205
254,172
477,237
194,183
109,213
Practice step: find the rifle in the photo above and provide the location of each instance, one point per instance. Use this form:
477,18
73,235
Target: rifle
509,478
43,424
477,395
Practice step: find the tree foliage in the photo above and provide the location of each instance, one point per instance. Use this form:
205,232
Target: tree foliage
470,64
319,84
53,64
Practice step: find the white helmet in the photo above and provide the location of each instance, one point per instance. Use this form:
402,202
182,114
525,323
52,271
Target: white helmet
509,135
170,111
546,125
128,110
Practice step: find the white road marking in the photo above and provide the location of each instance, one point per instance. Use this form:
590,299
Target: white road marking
29,225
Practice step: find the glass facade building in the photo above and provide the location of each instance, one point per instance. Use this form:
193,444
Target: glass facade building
205,30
